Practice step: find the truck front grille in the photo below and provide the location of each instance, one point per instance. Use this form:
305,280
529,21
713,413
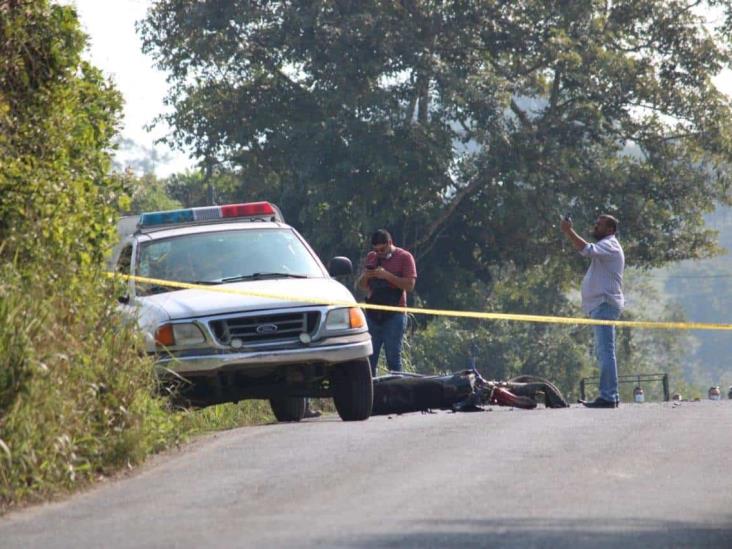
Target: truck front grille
265,328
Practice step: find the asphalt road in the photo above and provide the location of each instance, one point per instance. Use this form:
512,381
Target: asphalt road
648,475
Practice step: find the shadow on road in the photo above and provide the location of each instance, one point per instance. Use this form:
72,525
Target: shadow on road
552,533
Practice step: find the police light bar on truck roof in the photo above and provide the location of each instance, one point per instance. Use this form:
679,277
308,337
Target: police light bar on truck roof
257,210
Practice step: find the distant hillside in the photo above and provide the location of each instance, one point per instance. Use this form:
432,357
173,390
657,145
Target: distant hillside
704,290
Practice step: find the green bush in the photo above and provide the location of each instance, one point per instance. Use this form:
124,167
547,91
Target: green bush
76,394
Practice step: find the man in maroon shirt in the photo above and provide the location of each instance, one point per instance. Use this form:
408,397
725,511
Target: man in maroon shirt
389,273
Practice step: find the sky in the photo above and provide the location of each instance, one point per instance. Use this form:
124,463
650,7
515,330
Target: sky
116,49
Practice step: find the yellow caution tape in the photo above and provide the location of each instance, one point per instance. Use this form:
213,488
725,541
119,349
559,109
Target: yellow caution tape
438,312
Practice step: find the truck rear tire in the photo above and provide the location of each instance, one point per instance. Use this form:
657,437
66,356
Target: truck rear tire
353,390
288,408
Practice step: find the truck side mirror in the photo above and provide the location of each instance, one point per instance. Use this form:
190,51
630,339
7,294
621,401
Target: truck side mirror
340,266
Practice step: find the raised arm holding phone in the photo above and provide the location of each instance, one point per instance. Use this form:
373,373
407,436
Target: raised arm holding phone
602,298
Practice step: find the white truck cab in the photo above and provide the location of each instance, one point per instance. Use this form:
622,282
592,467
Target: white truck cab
265,320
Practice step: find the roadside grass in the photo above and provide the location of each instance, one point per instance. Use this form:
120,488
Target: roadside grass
76,396
248,412
227,416
325,405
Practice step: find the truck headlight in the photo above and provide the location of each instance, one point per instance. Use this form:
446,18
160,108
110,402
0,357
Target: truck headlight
345,319
169,335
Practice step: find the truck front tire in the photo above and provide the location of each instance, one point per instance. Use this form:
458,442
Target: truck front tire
353,390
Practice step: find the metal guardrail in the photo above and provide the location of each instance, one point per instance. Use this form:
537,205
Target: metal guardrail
632,378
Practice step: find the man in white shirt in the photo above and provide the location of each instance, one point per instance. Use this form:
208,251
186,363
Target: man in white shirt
602,298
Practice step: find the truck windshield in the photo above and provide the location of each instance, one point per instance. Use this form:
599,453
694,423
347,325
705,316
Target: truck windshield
225,256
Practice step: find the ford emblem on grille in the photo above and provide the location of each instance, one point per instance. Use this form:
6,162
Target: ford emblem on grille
266,328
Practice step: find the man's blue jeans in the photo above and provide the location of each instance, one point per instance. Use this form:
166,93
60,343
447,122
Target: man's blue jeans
388,333
605,351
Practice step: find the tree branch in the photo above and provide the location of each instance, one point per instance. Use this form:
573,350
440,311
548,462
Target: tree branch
555,89
520,114
446,214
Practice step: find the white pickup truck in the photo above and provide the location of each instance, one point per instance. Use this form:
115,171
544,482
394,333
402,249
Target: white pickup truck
267,319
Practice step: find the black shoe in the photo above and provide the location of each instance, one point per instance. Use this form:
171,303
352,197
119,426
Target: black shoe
599,403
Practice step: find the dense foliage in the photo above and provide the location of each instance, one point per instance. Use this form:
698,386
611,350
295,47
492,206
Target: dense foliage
75,394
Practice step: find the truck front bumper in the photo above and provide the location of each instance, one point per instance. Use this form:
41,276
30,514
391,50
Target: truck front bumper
330,351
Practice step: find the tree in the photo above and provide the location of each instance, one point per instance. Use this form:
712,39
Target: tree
58,116
205,187
464,127
147,193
